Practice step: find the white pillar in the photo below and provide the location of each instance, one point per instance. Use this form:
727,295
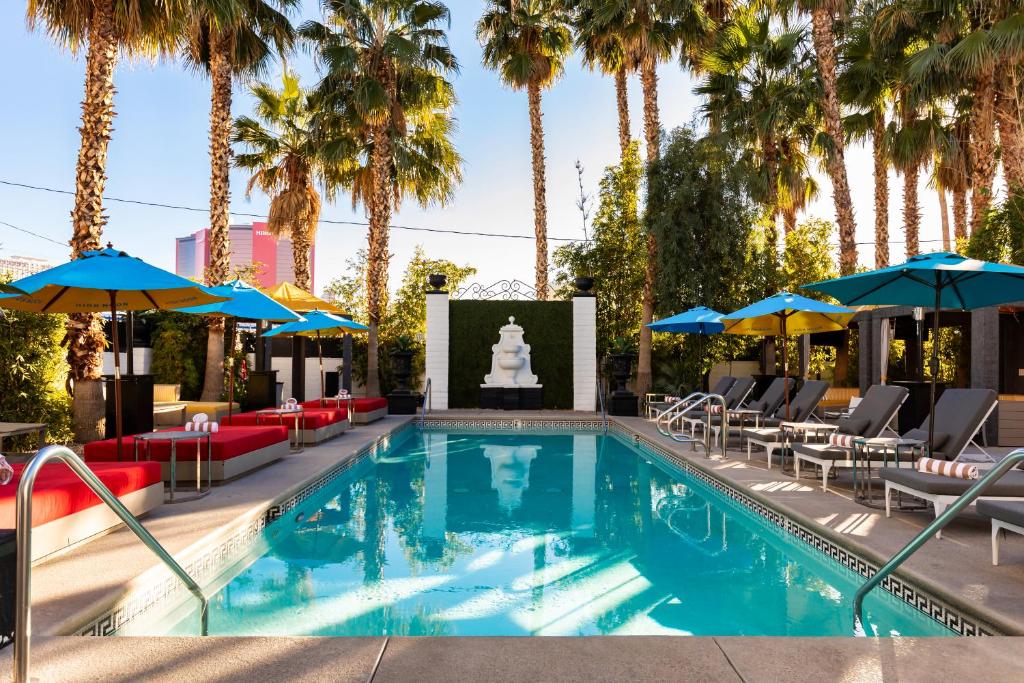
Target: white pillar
584,484
436,363
435,485
584,352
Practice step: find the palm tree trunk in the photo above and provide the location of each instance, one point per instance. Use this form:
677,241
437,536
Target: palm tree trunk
1011,135
220,163
911,210
84,332
983,163
881,189
378,256
960,214
788,219
302,245
825,50
652,133
944,215
622,102
540,209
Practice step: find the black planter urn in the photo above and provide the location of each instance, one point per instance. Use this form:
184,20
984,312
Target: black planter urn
622,368
401,366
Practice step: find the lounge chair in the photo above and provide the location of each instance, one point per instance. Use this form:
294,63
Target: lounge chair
364,410
734,398
869,419
770,436
765,407
959,416
234,451
65,512
721,386
317,424
1006,516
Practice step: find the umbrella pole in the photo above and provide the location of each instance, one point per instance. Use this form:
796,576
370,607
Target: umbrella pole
116,339
785,366
320,353
231,369
933,364
700,361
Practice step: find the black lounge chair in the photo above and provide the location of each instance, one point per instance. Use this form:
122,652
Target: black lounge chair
801,407
764,407
869,419
1006,516
959,416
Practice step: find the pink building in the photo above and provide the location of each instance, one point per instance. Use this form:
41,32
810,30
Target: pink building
249,244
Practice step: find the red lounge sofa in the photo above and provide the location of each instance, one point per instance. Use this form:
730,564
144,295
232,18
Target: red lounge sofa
66,512
364,410
318,424
235,451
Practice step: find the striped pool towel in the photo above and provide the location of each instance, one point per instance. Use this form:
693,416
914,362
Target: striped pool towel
844,440
957,470
200,422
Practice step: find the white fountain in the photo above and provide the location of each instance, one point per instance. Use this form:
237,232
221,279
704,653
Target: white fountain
511,383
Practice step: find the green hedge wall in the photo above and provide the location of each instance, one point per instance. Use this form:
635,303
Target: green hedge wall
473,330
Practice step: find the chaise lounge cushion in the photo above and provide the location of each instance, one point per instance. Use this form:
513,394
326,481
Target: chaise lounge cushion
852,425
359,405
59,492
229,442
940,438
312,418
1011,512
1011,485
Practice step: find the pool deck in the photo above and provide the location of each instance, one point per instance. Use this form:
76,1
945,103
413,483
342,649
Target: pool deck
67,590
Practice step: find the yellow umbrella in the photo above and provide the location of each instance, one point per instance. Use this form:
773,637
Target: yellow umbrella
299,300
784,314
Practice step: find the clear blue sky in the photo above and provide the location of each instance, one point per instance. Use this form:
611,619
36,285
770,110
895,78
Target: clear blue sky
159,153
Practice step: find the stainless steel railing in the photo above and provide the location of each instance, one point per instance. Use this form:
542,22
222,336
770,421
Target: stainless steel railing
705,399
600,402
679,406
428,402
23,524
936,526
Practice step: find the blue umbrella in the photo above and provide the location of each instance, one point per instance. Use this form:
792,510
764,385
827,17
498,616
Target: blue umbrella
314,324
244,301
937,280
700,320
106,280
784,314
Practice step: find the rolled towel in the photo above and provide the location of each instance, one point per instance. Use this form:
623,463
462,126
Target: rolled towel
6,471
945,468
291,404
206,426
844,440
715,410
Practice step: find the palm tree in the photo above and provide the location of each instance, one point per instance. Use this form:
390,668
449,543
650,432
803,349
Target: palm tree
868,76
527,42
761,89
284,156
824,14
603,48
103,28
228,39
385,91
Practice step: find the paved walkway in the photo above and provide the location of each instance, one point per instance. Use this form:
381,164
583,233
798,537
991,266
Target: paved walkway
957,568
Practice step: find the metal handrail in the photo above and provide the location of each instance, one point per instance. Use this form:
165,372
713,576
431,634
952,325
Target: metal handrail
681,436
936,526
428,402
600,401
23,524
683,404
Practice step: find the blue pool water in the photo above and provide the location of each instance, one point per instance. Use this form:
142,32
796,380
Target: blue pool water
532,534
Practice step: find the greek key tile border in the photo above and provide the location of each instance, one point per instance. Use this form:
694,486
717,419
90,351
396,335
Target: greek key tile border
908,593
167,587
514,424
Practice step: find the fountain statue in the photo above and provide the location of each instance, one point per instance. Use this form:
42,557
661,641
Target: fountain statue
511,384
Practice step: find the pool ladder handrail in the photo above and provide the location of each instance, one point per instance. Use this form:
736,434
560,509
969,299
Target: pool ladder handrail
706,442
428,402
600,402
679,406
940,521
23,524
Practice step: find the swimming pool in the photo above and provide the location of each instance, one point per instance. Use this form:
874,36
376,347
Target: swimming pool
451,533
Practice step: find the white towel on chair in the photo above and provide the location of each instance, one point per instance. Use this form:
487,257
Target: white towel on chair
957,470
6,471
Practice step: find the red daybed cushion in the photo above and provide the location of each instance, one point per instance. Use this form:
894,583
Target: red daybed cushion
59,492
312,418
359,405
229,442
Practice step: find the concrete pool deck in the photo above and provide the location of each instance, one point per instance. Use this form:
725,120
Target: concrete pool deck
68,589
